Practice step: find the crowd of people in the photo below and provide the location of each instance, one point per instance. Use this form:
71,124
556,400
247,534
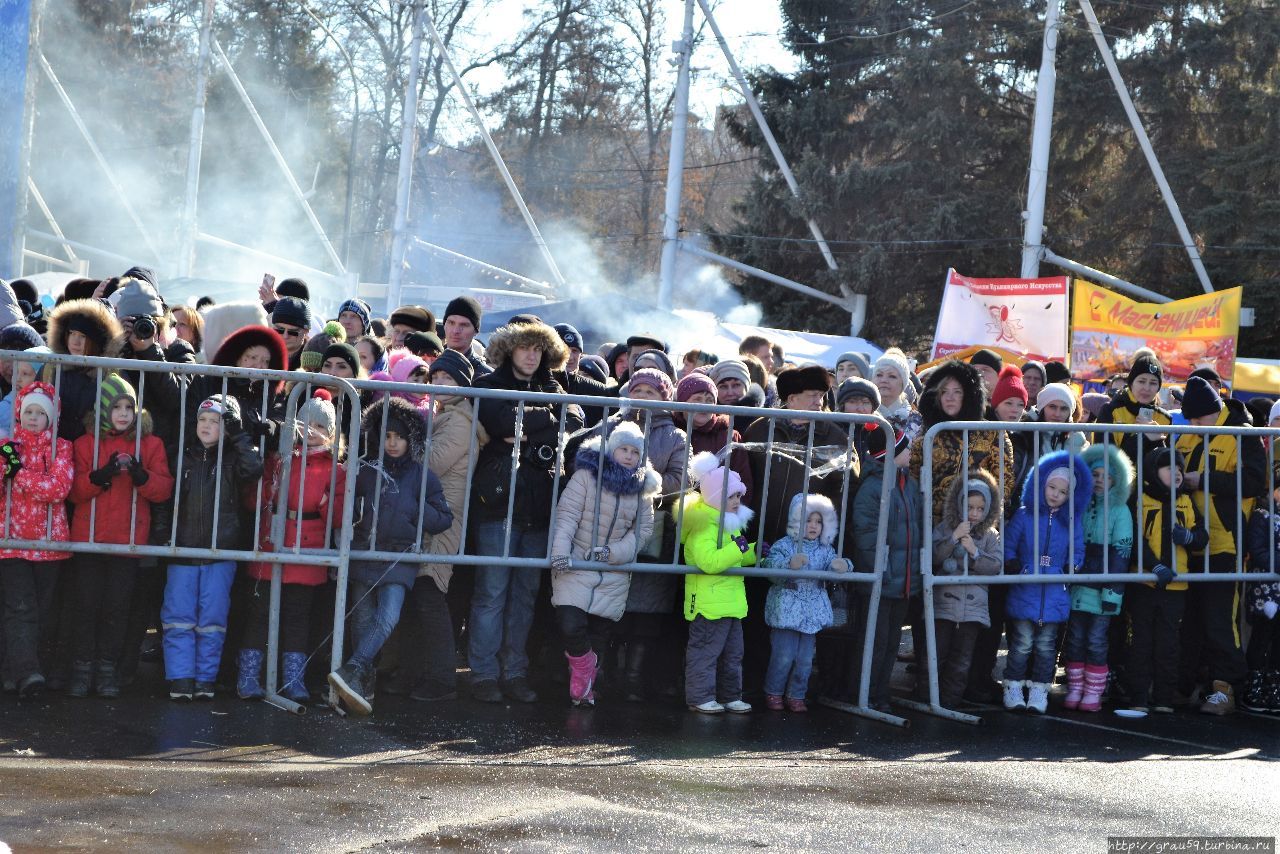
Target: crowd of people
557,496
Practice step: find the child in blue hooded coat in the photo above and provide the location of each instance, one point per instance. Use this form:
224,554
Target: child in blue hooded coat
1045,537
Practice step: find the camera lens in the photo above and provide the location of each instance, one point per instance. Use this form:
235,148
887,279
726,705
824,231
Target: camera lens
144,327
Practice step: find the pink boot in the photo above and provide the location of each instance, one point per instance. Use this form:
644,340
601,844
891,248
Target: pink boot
582,675
1075,684
1095,682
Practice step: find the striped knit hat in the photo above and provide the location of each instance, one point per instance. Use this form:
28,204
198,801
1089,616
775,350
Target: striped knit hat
113,389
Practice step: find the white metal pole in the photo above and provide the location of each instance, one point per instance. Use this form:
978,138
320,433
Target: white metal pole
754,106
1041,137
675,162
195,145
476,262
1109,60
404,180
465,93
1104,278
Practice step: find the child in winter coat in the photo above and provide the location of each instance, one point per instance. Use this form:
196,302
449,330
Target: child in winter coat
589,601
1045,537
714,604
1170,528
217,465
796,610
121,471
387,495
313,511
1262,686
38,471
25,371
965,542
1108,546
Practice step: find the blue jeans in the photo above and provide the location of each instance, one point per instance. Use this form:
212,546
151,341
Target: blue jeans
1026,638
792,652
1087,638
373,618
502,603
194,619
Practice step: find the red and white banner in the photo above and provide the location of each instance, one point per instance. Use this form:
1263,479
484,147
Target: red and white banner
1024,316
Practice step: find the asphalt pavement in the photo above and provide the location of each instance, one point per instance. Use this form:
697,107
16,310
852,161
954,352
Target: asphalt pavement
140,773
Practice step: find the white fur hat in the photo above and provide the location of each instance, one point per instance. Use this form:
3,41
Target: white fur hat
225,318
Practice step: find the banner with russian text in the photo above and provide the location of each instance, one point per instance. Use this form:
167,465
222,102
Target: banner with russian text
1024,316
1198,332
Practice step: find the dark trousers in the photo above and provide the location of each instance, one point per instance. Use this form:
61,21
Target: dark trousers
713,663
1211,636
955,656
26,589
1154,619
987,646
889,619
104,598
431,662
295,617
582,632
1264,644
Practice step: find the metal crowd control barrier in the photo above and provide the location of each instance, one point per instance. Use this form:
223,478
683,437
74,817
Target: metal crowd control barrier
644,412
1104,433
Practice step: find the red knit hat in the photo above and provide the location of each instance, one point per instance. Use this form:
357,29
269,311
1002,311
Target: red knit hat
1009,385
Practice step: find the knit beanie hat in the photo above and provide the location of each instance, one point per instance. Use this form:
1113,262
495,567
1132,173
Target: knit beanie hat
1146,365
403,367
876,437
1200,398
696,383
730,369
414,317
1033,365
1059,392
1207,373
423,344
1009,385
857,387
113,389
455,365
221,405
626,434
137,297
345,352
978,486
1093,402
292,311
990,358
360,309
709,475
40,395
319,411
594,367
465,307
1056,372
860,362
654,378
656,359
798,380
312,357
29,357
571,337
894,360
19,336
295,288
1061,473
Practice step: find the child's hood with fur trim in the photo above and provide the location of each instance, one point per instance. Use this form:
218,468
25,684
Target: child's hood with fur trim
613,477
798,516
957,494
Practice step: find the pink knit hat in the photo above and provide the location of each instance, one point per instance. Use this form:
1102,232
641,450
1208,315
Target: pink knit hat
705,470
654,378
695,383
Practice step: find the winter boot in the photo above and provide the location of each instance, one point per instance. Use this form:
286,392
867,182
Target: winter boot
349,681
81,682
1221,699
633,678
105,683
1095,682
249,679
582,675
1038,697
295,671
1075,684
1013,696
1254,696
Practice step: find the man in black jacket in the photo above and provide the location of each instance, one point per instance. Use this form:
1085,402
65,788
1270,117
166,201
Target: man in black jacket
574,381
524,444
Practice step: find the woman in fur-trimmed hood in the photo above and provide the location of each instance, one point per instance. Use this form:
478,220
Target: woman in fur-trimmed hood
82,327
939,403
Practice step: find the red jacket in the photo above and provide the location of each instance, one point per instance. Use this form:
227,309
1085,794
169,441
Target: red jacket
112,507
319,511
33,502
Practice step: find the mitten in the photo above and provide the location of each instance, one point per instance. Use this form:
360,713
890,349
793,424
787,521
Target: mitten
1164,576
743,545
102,477
1182,536
600,553
9,459
138,473
560,563
1269,609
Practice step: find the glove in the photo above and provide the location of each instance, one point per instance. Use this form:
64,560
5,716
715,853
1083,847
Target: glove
743,545
138,473
1164,576
600,553
765,548
102,477
1182,536
10,460
231,425
560,563
1269,609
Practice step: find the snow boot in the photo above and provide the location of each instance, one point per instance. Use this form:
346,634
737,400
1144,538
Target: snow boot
582,676
295,671
1095,682
81,682
104,678
249,679
1038,697
1013,695
1075,684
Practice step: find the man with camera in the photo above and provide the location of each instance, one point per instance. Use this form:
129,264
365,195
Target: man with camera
524,445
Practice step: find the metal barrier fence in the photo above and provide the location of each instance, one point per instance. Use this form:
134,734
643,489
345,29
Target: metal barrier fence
181,387
1103,435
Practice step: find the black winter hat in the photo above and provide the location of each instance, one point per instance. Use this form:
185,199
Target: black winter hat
641,340
796,380
1207,373
1056,372
1146,365
294,288
1199,398
19,336
293,311
455,365
413,316
990,358
876,437
25,291
146,274
423,344
571,337
467,307
345,352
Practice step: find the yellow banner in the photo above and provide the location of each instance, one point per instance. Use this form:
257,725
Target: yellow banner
1199,332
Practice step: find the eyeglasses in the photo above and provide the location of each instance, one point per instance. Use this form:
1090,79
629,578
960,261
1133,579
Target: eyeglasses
288,333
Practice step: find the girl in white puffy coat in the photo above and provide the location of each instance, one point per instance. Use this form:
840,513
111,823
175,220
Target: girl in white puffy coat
605,515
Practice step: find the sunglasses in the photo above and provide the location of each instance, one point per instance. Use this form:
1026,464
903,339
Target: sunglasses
288,333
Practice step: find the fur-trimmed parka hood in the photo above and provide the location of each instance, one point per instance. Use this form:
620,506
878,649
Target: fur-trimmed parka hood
956,508
642,480
798,516
91,317
1119,467
252,336
1081,493
415,428
504,341
975,399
